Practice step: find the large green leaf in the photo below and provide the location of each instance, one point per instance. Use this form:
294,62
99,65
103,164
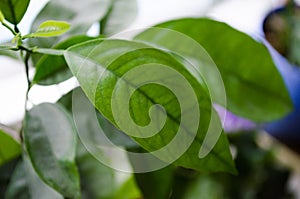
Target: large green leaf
99,66
244,64
120,15
112,133
80,14
9,147
50,140
53,69
14,10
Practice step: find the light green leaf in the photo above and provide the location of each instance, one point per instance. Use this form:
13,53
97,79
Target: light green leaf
50,29
1,17
14,10
81,14
244,64
128,190
9,147
50,140
120,15
99,65
52,69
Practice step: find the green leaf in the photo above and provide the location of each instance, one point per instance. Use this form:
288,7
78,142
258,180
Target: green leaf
6,172
120,15
111,132
205,187
50,28
81,14
97,180
14,10
128,190
50,140
99,65
157,184
244,64
1,17
25,183
9,147
18,186
52,69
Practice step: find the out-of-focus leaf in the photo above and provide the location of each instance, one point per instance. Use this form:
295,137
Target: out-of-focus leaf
128,190
14,10
9,147
157,184
50,29
205,188
18,186
104,64
120,15
52,69
50,140
80,14
25,183
244,64
6,172
1,17
97,180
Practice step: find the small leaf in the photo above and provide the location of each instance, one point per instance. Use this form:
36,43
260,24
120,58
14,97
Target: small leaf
50,29
14,10
9,147
50,140
1,17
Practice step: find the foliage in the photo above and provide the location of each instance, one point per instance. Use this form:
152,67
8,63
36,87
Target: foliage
147,94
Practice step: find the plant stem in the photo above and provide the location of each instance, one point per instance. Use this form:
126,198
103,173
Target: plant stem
9,28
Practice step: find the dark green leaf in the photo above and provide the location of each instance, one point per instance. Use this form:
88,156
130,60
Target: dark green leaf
50,140
52,69
19,186
88,62
14,10
50,29
25,183
120,15
97,180
9,147
6,172
157,184
245,65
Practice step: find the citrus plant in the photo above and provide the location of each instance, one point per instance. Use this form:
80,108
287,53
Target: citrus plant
143,105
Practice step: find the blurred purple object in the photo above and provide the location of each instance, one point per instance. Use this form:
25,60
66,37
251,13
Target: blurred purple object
233,123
